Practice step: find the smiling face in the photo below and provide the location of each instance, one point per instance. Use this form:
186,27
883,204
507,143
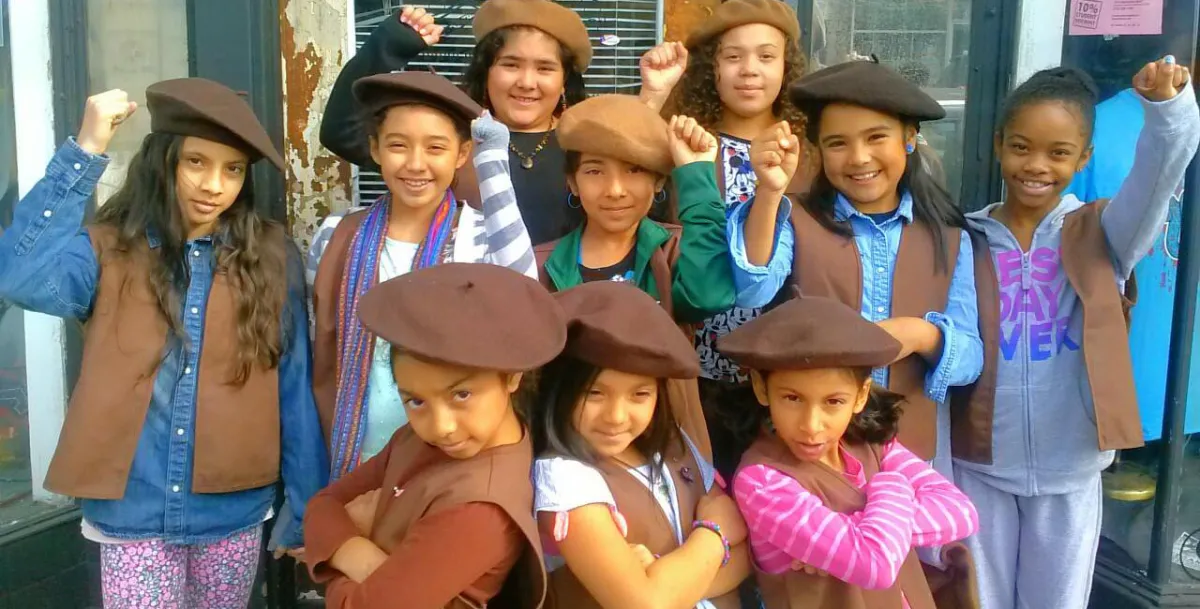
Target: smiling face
208,179
526,81
811,409
615,195
460,411
863,154
418,149
615,411
1041,148
750,69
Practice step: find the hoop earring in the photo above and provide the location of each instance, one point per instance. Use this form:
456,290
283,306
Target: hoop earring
660,196
573,205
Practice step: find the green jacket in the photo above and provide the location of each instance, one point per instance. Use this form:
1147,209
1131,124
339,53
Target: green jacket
694,256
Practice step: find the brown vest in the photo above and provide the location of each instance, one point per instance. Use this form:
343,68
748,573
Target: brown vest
799,590
827,264
432,482
236,440
646,522
1088,264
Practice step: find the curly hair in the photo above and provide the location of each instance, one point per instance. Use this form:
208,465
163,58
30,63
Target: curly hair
251,252
697,96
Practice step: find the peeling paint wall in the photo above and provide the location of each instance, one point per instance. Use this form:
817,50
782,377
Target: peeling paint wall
312,44
683,15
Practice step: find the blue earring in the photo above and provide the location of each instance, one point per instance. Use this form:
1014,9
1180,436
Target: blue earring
910,148
571,204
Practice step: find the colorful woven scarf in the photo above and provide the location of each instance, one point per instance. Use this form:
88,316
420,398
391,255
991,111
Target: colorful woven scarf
356,344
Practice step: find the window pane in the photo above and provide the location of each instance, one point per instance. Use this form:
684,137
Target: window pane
131,45
1130,484
16,500
925,40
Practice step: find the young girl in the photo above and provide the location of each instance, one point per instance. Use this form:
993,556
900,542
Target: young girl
619,154
195,386
526,68
1063,390
626,503
877,232
443,514
730,76
834,504
422,127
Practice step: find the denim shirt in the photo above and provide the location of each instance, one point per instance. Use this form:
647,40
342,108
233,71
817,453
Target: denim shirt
47,264
878,245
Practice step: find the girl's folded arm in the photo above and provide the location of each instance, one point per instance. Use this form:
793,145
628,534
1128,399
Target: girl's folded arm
942,513
327,524
441,556
599,556
864,549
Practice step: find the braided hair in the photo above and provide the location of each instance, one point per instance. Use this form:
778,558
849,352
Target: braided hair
1063,84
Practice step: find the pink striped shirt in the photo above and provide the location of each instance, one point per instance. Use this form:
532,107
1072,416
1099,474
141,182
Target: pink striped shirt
908,504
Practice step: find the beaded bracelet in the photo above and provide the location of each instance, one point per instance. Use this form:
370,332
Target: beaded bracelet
715,528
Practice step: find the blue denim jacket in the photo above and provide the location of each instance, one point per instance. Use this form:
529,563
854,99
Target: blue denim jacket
878,245
47,264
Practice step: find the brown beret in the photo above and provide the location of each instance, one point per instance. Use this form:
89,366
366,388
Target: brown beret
869,84
384,90
615,325
472,315
736,13
202,108
560,22
617,126
809,332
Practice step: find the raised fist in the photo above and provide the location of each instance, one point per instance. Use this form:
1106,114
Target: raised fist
774,156
690,142
101,117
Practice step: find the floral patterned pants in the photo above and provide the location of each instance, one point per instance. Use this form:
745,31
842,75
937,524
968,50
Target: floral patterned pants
153,574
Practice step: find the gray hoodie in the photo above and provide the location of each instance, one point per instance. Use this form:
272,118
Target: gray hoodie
1044,431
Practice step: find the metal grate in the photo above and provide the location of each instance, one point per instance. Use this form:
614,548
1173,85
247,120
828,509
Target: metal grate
636,24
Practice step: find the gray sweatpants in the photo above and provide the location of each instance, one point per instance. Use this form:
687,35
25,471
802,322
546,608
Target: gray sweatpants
1033,552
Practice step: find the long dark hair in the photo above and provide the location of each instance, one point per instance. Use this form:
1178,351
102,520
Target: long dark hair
563,384
932,204
484,56
250,251
664,210
697,95
878,422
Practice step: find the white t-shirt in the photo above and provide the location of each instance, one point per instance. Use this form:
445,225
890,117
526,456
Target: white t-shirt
562,484
385,412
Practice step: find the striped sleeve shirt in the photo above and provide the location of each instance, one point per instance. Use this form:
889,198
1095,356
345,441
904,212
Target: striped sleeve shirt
908,504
